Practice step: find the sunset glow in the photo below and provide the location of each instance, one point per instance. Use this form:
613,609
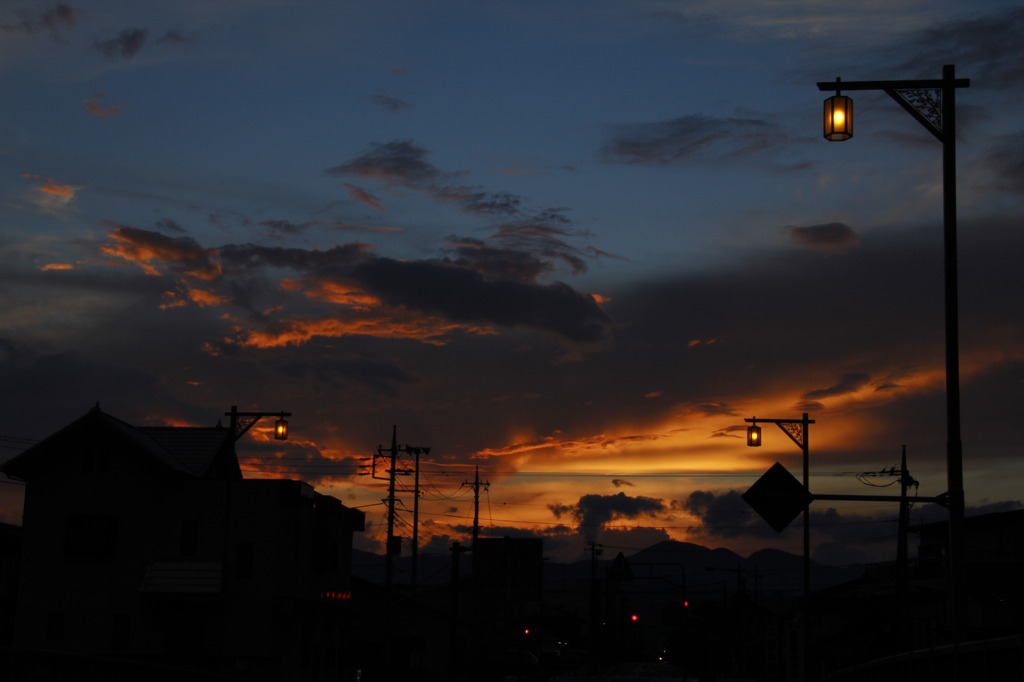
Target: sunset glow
575,247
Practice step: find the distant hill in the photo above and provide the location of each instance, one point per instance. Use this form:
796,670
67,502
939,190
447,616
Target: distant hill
708,572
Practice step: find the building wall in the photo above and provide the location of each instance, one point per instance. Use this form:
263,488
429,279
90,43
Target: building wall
96,517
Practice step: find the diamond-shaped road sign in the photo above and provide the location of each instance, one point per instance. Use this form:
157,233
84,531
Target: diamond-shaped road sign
778,497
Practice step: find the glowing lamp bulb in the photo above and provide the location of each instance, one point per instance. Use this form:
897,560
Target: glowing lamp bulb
754,436
281,429
838,118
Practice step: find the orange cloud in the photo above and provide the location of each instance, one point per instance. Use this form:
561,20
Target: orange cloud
206,298
57,266
55,196
143,248
94,107
364,197
200,297
51,186
296,332
336,292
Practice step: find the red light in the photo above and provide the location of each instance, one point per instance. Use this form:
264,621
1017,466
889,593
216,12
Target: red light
686,603
634,618
334,596
526,631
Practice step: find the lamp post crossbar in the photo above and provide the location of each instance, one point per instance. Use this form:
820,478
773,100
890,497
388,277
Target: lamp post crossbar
794,428
243,421
913,84
922,99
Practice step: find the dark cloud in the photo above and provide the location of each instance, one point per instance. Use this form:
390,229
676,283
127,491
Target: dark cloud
529,243
726,515
250,256
169,225
619,482
286,226
466,296
839,538
51,19
391,104
546,235
494,260
986,47
384,378
1006,164
401,163
833,237
125,46
693,137
68,383
525,250
712,409
592,512
848,383
450,292
148,249
177,37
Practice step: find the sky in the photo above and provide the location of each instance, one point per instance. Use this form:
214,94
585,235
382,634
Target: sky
572,244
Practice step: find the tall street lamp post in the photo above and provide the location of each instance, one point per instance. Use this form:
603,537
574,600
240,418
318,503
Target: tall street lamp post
798,431
933,104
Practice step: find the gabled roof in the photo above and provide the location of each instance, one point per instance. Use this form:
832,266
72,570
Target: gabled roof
195,448
192,451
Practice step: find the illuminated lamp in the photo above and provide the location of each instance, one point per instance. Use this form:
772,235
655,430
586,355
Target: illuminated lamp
754,435
838,117
281,429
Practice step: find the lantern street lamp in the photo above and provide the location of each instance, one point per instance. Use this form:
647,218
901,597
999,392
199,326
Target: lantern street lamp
754,434
838,117
932,103
243,421
798,431
281,428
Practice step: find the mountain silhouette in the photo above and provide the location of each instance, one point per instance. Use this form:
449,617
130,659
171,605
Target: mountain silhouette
708,572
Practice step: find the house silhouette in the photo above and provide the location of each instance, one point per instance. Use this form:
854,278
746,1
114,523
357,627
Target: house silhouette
146,555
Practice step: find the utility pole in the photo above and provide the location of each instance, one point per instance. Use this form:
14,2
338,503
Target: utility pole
393,543
453,632
415,520
595,605
476,505
390,546
902,568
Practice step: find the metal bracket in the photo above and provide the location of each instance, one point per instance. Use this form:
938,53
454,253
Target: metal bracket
924,104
